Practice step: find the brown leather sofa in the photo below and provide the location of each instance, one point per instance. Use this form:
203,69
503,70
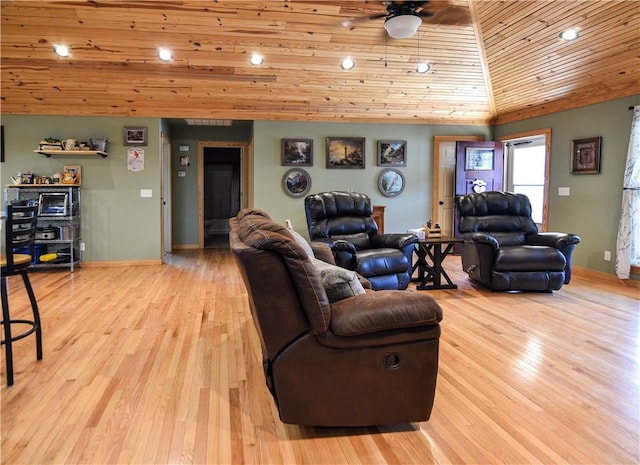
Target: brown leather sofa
503,249
367,358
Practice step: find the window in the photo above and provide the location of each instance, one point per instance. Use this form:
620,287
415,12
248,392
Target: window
526,172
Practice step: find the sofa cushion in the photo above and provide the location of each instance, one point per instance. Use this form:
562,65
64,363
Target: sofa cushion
339,283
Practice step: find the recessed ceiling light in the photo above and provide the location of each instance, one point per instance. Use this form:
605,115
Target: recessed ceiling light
256,59
165,54
347,63
423,67
569,34
61,50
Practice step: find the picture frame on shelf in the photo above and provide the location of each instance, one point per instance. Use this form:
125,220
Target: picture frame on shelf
296,182
76,171
392,153
346,152
297,152
391,182
585,155
135,135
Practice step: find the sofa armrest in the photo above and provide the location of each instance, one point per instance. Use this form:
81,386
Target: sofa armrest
553,239
392,241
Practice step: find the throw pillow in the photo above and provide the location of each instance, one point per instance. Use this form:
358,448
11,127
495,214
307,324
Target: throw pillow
301,241
339,283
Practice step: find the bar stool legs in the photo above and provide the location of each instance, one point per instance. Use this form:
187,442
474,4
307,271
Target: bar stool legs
34,325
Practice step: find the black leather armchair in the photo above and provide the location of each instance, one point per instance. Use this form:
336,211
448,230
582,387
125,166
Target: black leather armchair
344,221
503,249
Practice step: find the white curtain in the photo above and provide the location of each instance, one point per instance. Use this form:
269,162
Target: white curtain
628,244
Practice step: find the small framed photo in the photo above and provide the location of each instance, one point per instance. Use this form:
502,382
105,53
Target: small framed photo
72,175
345,152
585,155
296,182
297,152
135,135
392,153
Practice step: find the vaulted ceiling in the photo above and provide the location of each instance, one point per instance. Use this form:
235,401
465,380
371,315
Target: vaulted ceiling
491,61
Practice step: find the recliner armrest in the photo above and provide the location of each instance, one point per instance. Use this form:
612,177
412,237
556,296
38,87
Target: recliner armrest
553,239
392,241
383,311
337,245
484,238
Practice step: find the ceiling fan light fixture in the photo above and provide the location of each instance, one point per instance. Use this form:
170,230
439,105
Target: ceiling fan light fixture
402,26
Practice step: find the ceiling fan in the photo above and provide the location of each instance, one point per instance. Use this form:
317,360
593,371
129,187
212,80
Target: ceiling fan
403,18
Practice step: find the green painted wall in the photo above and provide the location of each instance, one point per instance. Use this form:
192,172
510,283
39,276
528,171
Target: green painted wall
593,209
120,225
409,210
117,224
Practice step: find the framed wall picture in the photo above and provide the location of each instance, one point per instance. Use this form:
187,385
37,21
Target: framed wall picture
392,153
135,135
72,175
391,182
296,182
297,152
345,152
585,155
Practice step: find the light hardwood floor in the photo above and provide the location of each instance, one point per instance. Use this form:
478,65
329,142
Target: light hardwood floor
161,365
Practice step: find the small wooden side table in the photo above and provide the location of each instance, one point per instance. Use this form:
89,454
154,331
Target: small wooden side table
432,248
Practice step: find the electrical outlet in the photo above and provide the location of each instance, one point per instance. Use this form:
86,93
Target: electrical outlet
81,246
607,255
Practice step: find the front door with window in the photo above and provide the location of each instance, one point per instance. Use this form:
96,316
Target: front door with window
479,168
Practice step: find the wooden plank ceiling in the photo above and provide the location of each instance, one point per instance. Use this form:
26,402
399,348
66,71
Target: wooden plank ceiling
491,61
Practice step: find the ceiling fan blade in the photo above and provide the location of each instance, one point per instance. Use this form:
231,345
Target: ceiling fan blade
446,14
352,21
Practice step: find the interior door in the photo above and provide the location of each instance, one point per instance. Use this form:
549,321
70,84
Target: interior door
444,161
479,168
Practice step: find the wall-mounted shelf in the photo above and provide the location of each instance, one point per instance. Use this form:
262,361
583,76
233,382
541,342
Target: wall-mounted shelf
71,153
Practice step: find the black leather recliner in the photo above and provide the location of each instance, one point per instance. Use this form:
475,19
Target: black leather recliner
503,249
344,221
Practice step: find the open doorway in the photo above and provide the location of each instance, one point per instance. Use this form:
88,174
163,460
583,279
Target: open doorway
224,180
221,187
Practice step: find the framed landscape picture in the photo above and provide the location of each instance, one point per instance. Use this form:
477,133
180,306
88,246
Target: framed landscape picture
392,153
345,152
297,152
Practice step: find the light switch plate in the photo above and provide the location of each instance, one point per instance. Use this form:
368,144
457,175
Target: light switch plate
146,193
564,191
